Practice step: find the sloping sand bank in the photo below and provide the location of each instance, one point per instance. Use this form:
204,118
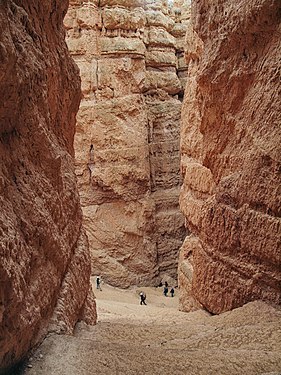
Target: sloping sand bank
158,339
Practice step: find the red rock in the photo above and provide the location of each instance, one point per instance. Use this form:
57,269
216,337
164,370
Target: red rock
44,266
127,139
231,135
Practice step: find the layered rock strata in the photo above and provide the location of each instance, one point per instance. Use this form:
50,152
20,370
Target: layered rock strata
44,258
231,156
127,141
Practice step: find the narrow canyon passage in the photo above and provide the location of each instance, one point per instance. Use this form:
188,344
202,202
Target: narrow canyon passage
161,162
133,73
131,339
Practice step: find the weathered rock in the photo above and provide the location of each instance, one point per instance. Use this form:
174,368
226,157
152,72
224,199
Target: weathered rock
44,266
231,155
159,37
121,46
119,18
158,18
123,3
160,59
127,140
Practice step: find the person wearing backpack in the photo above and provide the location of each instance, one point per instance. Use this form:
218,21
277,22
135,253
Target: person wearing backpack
142,298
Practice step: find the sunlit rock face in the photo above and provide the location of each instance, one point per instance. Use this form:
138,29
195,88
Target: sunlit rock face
44,255
130,55
230,145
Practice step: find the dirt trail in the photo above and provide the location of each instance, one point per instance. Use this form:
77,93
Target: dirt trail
158,339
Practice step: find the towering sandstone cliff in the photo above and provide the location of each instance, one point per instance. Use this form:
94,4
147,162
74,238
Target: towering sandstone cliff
44,259
130,55
231,156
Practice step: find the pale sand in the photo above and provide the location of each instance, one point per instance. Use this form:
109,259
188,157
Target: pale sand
158,339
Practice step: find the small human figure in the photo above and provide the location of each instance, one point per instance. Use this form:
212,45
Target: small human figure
142,298
165,291
172,291
91,153
99,283
166,284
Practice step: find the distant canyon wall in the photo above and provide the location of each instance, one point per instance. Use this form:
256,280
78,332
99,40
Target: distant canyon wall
44,258
131,61
230,145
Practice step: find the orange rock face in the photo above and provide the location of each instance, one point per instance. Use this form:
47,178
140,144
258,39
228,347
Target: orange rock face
231,156
130,55
44,258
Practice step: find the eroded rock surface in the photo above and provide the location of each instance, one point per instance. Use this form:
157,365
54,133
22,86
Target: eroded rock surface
44,258
130,55
231,156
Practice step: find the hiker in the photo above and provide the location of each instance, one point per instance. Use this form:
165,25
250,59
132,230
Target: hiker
166,284
172,291
99,283
165,292
142,298
91,158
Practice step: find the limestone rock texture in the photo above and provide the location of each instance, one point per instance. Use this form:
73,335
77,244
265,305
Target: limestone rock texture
230,146
131,60
44,253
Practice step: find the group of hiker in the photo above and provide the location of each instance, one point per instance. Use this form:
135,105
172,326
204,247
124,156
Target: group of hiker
142,294
165,292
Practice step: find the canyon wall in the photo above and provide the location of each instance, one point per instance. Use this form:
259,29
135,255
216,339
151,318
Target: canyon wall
130,55
230,149
45,266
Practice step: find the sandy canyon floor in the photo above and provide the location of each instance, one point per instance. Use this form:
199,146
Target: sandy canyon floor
158,339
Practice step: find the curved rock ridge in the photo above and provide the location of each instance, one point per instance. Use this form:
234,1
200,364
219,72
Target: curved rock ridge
44,254
230,146
130,55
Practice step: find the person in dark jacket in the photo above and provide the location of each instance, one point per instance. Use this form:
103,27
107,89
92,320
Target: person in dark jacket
99,283
142,298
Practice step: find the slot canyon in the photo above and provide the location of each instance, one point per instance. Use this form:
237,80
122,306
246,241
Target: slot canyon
140,141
